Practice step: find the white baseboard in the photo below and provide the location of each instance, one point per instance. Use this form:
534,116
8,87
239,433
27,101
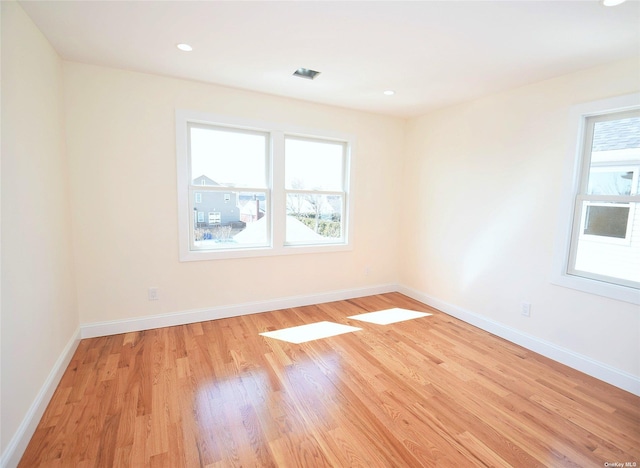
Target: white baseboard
18,443
585,364
115,327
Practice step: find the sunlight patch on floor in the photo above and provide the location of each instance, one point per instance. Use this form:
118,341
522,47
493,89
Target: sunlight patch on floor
313,331
385,317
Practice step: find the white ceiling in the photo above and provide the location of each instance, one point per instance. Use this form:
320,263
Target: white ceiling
432,53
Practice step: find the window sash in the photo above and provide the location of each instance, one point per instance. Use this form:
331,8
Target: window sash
344,163
197,208
234,130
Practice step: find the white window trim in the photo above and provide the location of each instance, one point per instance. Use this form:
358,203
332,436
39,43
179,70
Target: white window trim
277,201
572,171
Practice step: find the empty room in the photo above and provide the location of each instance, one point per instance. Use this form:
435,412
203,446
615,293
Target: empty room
320,233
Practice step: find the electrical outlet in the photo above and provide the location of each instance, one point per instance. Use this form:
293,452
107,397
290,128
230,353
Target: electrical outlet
525,309
153,294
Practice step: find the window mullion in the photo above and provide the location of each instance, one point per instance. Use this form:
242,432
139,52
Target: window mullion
315,192
278,208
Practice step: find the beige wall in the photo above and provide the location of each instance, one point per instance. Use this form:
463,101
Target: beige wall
482,185
39,314
122,152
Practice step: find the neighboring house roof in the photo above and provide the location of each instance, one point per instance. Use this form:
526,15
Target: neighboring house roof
198,181
617,134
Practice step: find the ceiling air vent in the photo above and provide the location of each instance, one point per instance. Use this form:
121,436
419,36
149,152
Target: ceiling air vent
306,73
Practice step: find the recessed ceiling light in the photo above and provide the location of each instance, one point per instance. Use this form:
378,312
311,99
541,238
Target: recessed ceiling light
184,47
612,2
306,73
389,92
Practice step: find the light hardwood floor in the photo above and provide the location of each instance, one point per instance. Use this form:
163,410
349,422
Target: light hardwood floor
427,392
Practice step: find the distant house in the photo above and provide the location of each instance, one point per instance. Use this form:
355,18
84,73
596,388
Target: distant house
214,208
252,210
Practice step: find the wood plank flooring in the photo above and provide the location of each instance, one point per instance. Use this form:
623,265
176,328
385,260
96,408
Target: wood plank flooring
427,392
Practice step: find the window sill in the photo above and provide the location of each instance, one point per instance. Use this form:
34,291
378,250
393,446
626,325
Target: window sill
600,288
203,255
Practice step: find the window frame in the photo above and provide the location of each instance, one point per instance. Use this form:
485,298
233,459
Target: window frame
276,191
569,217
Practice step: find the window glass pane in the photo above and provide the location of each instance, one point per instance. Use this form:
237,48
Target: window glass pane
226,220
606,220
615,135
313,165
222,157
611,256
313,218
609,181
615,146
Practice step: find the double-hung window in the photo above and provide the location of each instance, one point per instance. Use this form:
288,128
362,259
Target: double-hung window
315,189
250,188
603,249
